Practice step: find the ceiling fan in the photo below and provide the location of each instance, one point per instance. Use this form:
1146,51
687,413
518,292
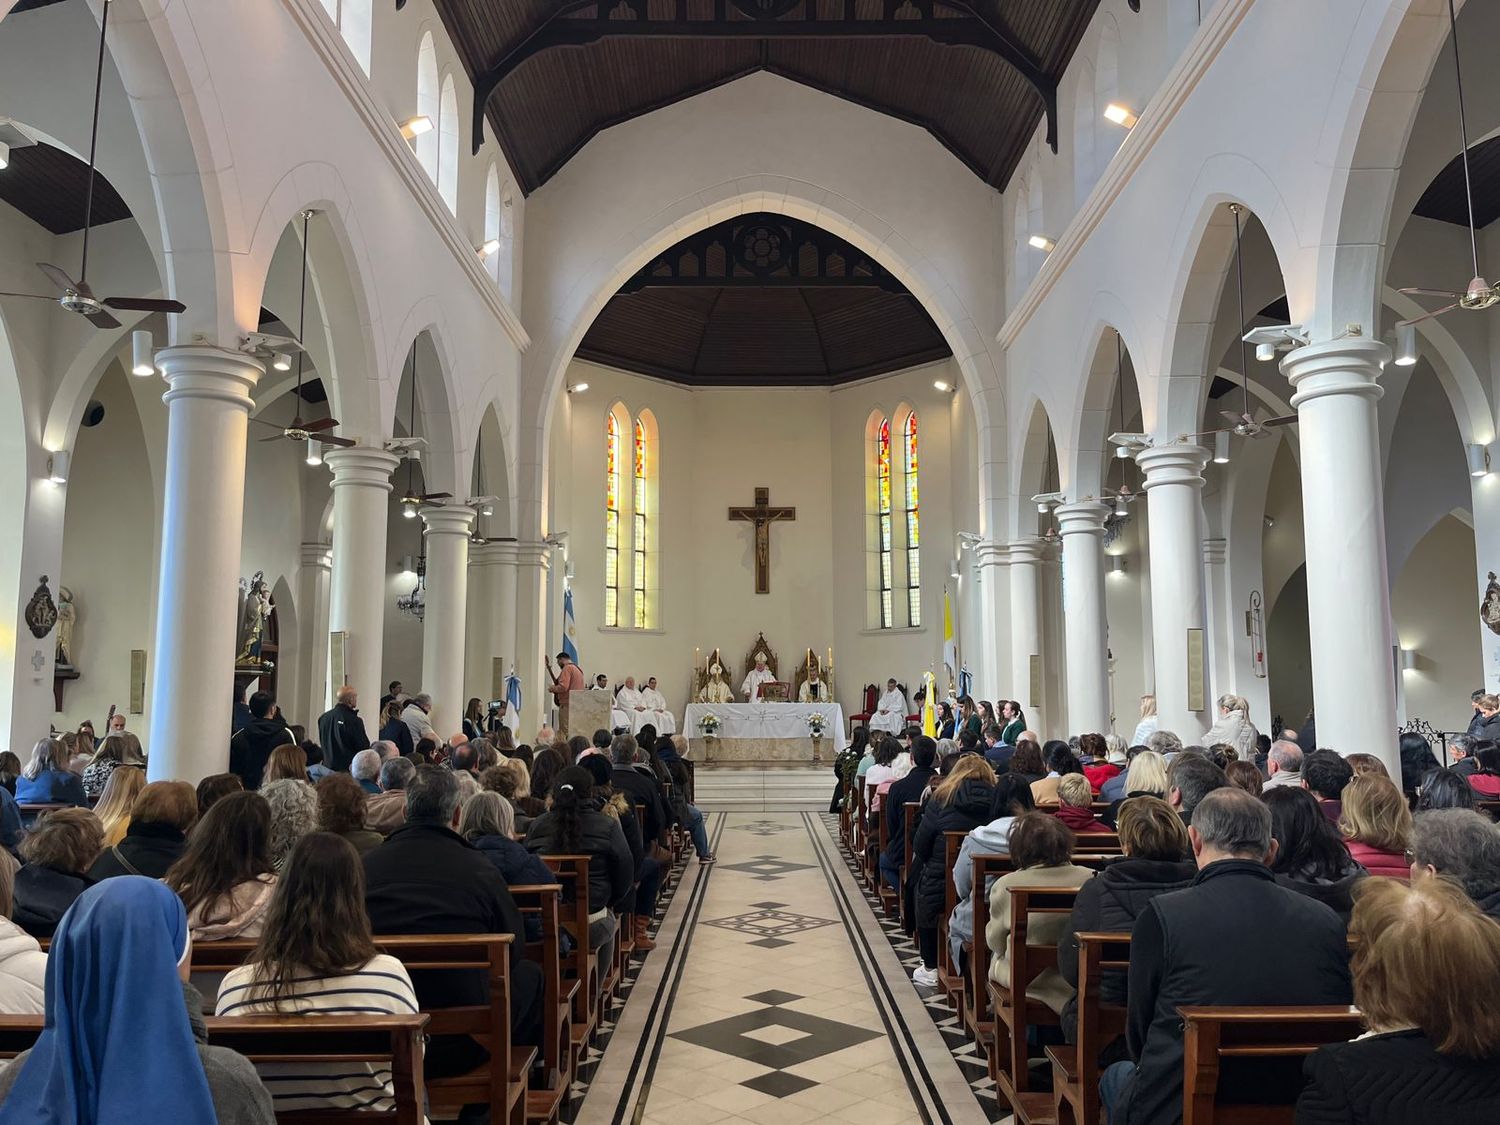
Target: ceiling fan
76,296
1246,422
298,429
412,500
1480,294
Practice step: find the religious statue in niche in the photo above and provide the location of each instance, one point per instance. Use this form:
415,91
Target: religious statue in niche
41,613
1489,608
255,611
67,618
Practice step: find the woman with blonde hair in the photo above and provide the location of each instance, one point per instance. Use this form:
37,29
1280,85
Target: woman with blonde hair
113,809
160,818
1149,722
1233,727
1426,973
46,780
1376,824
960,803
1367,763
1146,777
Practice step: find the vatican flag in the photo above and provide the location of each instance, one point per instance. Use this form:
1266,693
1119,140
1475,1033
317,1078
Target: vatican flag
929,706
950,646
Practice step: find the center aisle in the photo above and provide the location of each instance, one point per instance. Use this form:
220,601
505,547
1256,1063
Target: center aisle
775,997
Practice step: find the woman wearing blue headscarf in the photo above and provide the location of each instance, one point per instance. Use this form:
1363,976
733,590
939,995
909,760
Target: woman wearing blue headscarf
123,1040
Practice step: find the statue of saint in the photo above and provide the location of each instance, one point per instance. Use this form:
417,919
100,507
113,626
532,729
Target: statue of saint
255,610
67,617
716,690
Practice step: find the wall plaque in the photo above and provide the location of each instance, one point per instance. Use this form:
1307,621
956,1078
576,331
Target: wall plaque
1195,685
497,677
137,680
338,655
1036,682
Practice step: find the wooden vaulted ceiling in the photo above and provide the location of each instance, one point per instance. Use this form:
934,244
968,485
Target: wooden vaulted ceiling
1444,198
49,186
763,300
977,74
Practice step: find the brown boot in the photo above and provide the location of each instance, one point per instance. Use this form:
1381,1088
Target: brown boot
643,942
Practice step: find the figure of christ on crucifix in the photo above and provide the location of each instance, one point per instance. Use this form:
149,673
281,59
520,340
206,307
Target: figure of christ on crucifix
762,515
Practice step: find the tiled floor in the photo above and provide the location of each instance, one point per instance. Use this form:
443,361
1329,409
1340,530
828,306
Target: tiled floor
775,997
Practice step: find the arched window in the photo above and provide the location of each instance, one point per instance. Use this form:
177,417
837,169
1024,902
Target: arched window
508,248
494,245
426,144
639,507
447,177
886,562
355,19
612,452
913,521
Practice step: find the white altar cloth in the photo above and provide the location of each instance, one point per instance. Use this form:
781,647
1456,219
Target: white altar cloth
767,720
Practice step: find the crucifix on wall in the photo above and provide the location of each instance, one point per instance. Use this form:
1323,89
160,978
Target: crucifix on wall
763,516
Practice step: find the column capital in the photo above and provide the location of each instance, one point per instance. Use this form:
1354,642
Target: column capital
1338,367
990,554
1026,551
1215,551
537,554
204,371
1178,463
448,519
318,555
497,552
361,465
1082,517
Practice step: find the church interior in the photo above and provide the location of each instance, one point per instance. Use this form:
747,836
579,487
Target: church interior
1105,359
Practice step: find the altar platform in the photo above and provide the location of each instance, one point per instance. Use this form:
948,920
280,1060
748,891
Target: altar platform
764,733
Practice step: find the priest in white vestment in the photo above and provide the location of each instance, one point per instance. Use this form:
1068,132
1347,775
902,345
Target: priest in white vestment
813,689
628,702
656,708
758,675
716,690
890,712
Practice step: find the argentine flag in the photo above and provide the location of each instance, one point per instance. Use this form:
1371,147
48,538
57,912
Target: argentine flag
513,701
570,627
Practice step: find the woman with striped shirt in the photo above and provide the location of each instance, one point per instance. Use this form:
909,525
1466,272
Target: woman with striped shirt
316,955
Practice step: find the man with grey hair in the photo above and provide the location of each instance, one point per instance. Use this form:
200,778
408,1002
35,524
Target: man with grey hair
366,768
386,749
1284,765
1190,778
427,879
386,811
1462,845
1464,762
1206,944
341,730
1164,742
415,717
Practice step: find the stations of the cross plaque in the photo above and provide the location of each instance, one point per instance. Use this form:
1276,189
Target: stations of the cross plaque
763,516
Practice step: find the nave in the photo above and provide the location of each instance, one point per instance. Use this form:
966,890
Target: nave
775,995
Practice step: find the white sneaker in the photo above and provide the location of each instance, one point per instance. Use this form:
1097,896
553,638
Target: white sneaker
926,978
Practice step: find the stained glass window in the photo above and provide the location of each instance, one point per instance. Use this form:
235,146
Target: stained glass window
638,518
611,521
883,488
913,528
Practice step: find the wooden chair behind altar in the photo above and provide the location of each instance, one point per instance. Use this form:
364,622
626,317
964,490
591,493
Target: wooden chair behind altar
810,663
760,646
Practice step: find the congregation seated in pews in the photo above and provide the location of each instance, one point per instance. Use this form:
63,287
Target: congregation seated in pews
1260,942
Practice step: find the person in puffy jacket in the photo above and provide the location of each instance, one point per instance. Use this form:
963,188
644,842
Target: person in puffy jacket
1233,727
961,803
1009,799
23,965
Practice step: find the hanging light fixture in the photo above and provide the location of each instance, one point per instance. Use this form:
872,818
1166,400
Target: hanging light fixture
142,361
415,603
314,451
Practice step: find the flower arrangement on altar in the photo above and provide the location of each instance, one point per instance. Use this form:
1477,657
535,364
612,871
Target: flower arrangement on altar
709,725
817,724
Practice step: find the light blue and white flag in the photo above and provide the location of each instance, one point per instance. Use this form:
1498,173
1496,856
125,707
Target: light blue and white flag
570,628
513,701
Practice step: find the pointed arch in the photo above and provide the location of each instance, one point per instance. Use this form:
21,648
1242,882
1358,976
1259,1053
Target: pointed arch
494,245
911,532
447,133
426,144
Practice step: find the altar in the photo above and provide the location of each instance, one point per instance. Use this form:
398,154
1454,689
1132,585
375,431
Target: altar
754,733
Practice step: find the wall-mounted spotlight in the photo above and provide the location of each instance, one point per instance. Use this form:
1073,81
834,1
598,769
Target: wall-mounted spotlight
942,385
1221,447
1408,660
1046,500
1406,345
1117,564
491,246
416,126
408,565
1041,242
1270,522
1265,353
314,451
142,361
1479,460
578,388
955,569
57,466
281,362
1120,115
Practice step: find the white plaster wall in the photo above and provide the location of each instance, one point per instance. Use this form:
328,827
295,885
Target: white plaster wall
1433,612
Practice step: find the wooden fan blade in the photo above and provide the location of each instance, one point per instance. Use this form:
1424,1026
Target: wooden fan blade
1236,418
437,496
32,296
1417,291
320,425
102,319
1285,420
58,277
262,422
144,304
331,439
1435,312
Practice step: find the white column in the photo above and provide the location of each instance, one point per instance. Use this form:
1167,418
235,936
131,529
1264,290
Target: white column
1343,513
1222,677
993,581
492,613
192,668
533,560
356,596
311,693
1084,630
1026,626
1174,486
443,627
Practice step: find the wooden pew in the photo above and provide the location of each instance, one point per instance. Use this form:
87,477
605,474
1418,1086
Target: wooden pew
910,810
1014,1012
540,902
1075,1068
31,810
889,900
1096,842
1490,809
303,1039
582,967
1213,1034
950,979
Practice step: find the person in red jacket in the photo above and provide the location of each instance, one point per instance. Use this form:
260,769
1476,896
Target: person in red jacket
1376,824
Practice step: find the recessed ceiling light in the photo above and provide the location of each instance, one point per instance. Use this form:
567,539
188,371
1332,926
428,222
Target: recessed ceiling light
490,247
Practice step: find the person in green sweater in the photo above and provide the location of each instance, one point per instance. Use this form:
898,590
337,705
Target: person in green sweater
1013,721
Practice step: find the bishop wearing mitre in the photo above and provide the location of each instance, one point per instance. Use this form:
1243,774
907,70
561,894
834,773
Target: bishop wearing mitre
758,675
716,690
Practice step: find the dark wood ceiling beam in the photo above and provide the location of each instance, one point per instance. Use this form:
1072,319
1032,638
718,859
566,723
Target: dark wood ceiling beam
564,28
